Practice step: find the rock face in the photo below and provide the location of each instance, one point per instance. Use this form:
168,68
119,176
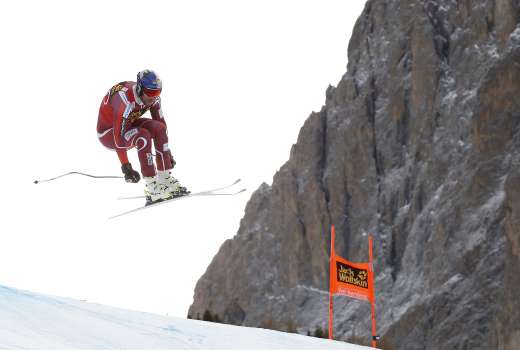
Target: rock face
419,144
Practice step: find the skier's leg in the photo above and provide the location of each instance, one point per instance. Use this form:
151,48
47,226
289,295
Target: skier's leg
143,142
141,139
163,156
107,139
154,190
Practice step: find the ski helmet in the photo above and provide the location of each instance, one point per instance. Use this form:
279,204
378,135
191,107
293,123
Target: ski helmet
149,83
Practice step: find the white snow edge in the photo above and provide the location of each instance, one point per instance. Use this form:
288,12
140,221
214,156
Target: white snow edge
32,321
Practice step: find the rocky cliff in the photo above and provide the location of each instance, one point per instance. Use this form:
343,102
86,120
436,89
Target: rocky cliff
418,144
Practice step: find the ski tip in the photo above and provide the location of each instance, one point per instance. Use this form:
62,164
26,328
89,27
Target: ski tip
242,190
237,181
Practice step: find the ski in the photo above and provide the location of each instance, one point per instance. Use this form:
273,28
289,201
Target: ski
204,193
213,192
207,191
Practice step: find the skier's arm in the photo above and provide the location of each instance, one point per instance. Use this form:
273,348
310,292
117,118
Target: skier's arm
120,124
157,113
123,156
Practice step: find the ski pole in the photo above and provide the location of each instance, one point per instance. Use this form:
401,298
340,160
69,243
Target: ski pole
78,173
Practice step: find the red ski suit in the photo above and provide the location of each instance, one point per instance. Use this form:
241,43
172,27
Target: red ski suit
120,127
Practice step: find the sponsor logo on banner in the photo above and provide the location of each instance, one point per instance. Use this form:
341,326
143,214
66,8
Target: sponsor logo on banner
351,279
130,133
149,157
351,275
165,147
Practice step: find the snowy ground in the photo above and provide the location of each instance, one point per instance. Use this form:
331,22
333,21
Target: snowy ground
30,321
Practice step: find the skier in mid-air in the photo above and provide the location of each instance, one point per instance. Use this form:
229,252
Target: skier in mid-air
121,127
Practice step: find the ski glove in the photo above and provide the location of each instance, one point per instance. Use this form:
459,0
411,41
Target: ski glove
130,174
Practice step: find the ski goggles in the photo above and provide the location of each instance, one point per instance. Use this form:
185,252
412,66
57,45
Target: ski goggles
152,92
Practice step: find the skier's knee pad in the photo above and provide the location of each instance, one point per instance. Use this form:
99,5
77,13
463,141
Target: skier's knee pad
143,140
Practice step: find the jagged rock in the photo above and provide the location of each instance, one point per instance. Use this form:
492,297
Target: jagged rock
419,144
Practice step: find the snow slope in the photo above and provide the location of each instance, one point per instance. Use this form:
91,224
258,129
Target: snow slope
31,321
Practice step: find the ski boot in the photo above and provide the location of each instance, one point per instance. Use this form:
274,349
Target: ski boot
173,185
155,192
